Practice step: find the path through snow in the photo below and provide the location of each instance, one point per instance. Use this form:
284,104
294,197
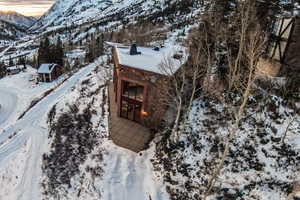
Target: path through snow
33,127
8,102
131,176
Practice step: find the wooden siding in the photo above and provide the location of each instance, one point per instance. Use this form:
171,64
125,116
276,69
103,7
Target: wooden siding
292,54
56,72
282,30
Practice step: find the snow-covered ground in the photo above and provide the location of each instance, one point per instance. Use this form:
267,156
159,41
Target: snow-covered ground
131,176
8,101
30,130
17,92
119,174
25,142
260,166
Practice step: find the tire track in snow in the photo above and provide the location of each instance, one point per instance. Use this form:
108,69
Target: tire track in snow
31,127
8,102
114,179
129,176
33,164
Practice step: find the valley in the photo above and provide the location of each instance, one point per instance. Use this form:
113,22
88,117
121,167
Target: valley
216,84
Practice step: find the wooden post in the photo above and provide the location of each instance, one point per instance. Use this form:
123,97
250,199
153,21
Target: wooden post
119,96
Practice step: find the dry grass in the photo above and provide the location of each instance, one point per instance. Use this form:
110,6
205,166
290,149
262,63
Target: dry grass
267,67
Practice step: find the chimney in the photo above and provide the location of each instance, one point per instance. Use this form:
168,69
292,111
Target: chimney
133,50
156,49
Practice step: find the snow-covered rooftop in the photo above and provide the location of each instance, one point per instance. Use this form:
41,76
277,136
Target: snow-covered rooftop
46,68
151,60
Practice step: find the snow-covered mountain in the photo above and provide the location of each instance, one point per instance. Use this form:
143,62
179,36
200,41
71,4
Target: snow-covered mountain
74,12
17,19
9,31
65,12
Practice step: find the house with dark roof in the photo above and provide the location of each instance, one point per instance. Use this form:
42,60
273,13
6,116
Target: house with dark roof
48,72
285,42
138,78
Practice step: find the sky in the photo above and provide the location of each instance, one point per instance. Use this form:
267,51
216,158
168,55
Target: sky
26,7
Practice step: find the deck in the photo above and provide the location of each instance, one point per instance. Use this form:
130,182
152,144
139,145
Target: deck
126,133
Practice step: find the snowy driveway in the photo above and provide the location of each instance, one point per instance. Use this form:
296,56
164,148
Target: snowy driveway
8,102
32,127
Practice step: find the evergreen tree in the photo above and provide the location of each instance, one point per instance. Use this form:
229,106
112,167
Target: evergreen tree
11,62
22,61
101,45
97,47
89,56
2,70
44,54
47,50
77,63
223,9
67,67
40,53
35,62
51,53
58,53
267,10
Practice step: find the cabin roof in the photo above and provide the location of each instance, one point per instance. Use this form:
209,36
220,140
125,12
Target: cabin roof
46,68
149,59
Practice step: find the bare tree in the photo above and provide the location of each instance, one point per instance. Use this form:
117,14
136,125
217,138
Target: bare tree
179,88
288,127
173,91
251,46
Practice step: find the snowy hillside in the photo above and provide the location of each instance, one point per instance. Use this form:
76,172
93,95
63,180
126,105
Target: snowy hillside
74,12
263,162
66,12
9,32
55,141
74,21
17,19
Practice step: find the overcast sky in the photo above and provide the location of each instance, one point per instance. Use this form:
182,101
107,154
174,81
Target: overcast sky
26,7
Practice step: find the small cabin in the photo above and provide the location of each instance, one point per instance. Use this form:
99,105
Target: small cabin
285,43
48,72
138,78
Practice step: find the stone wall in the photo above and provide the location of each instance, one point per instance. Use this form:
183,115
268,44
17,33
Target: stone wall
155,105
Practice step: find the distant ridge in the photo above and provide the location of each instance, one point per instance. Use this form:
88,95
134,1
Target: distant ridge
17,19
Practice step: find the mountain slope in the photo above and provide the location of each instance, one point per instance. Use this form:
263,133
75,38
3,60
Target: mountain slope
9,31
17,19
74,12
65,12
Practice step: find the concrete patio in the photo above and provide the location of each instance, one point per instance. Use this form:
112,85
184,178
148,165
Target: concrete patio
126,133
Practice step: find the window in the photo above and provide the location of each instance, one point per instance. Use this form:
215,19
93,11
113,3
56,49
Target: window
132,101
131,111
133,91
